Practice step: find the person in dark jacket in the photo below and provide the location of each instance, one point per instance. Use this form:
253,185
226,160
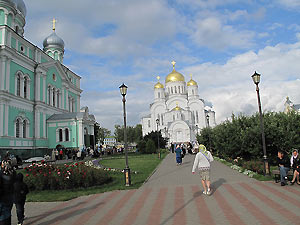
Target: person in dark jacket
7,177
20,192
295,164
283,164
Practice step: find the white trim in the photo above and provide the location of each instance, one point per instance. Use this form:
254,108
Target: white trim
37,124
6,120
8,74
1,120
2,72
44,125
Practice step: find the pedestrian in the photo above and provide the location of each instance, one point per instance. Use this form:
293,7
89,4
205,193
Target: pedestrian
61,154
172,147
202,161
7,177
56,154
178,152
295,164
283,164
20,192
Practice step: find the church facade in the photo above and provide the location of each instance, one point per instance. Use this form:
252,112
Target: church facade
39,96
177,111
289,106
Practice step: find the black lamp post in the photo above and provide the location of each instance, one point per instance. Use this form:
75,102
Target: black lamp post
207,119
256,80
157,123
123,90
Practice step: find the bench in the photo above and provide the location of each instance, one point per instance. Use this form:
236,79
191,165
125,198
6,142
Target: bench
276,174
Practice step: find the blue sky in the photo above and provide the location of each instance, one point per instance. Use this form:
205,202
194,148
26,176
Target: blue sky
220,42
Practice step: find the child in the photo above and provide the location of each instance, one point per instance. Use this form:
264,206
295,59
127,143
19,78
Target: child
20,192
203,160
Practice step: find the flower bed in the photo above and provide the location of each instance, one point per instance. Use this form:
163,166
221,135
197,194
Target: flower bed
96,164
41,176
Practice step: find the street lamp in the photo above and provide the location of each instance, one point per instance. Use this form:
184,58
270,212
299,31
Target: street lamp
256,80
207,119
157,123
123,91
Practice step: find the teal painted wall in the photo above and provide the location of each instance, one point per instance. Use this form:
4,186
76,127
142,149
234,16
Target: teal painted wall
2,17
41,125
43,60
13,43
42,93
49,80
14,68
9,20
52,135
0,36
75,97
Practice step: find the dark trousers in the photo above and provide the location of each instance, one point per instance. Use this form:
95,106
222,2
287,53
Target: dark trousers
20,211
283,173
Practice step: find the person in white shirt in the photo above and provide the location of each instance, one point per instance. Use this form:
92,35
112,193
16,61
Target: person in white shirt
202,160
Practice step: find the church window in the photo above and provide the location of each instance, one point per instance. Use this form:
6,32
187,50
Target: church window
60,135
162,119
18,85
67,134
169,90
149,125
197,117
53,97
173,117
18,124
158,95
49,95
17,29
178,89
172,90
25,86
24,128
193,92
57,99
158,119
73,103
175,89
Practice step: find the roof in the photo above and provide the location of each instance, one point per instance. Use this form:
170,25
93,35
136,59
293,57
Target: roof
73,115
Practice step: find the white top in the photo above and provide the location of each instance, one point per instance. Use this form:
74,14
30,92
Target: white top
202,160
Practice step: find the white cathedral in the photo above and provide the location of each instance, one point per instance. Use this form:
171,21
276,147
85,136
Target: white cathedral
177,111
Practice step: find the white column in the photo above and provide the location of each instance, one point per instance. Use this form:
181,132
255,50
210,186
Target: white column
3,36
5,18
55,97
8,41
44,125
38,86
67,99
44,89
37,124
7,74
1,119
78,103
63,98
6,119
80,135
2,72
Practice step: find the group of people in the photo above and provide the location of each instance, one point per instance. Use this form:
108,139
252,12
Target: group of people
12,191
285,164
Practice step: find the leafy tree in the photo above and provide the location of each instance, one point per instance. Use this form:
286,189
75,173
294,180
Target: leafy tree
134,134
154,135
102,133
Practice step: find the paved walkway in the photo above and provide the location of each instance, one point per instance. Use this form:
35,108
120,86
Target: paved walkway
173,196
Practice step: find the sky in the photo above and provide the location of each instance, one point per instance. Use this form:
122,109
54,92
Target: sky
220,42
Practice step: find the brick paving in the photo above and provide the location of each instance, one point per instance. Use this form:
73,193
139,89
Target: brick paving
173,196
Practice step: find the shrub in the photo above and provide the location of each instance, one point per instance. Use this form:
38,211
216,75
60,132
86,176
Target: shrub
141,146
48,177
150,147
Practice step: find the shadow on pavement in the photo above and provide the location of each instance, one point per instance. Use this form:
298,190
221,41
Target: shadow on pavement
216,184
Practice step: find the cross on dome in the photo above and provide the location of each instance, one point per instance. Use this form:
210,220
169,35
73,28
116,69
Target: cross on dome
173,63
53,23
191,75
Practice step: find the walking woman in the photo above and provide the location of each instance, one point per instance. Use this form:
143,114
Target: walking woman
295,164
178,152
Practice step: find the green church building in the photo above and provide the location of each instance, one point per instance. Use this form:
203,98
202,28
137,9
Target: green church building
39,96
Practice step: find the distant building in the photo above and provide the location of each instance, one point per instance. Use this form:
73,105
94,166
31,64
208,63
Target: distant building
290,106
177,111
110,141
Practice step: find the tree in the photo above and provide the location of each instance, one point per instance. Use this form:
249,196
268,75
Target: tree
150,147
134,134
102,133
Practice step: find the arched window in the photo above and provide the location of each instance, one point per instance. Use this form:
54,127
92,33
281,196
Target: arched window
197,117
193,92
18,124
18,85
67,134
57,99
49,95
172,90
24,129
178,89
73,103
53,97
158,95
60,135
25,86
175,89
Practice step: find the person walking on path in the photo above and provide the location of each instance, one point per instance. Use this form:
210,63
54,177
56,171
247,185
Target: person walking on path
178,152
295,164
202,160
20,192
283,164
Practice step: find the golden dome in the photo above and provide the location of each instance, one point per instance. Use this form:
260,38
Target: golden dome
174,75
177,108
158,85
192,82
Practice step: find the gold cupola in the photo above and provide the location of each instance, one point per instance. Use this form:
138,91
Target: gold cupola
192,82
174,75
158,84
177,108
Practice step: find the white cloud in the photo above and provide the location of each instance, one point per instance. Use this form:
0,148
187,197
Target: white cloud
289,3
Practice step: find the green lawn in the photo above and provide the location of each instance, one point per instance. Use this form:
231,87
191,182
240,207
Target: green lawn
143,164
